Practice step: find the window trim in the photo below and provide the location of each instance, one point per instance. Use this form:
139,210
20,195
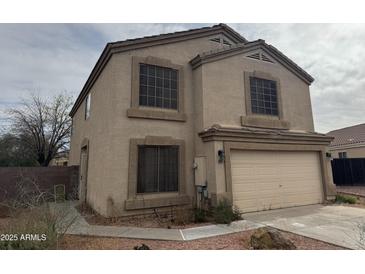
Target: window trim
137,111
156,199
262,120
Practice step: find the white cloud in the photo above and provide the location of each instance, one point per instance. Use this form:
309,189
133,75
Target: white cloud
49,58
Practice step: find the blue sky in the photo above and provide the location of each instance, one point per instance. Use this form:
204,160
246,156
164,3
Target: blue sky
49,58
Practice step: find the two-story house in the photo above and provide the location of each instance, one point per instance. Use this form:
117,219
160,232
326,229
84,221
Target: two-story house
172,119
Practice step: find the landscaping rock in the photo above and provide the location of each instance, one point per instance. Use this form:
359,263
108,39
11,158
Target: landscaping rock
142,247
265,238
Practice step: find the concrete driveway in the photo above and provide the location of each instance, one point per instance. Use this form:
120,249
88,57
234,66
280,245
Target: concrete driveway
339,225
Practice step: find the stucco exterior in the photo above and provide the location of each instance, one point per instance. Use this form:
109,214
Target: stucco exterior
226,76
214,94
352,152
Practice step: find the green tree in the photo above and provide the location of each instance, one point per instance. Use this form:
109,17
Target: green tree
15,152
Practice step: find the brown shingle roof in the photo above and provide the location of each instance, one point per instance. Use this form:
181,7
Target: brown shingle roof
348,135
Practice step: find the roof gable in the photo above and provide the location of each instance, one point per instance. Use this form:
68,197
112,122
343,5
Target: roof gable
131,44
265,52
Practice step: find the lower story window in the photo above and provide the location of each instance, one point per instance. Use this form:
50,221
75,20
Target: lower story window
342,155
157,169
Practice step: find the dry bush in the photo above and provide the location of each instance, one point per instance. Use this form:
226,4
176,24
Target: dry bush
35,228
28,193
34,222
182,216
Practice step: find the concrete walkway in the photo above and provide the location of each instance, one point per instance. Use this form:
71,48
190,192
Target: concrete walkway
339,225
335,224
81,227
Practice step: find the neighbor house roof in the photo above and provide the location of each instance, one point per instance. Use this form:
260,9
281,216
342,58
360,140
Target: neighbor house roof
228,51
348,135
148,41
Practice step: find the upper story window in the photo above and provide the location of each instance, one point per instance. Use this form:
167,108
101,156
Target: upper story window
264,97
87,106
158,86
342,155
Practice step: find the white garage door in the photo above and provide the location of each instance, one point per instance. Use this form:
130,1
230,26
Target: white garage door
263,180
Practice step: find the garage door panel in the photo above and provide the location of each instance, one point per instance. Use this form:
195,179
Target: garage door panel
264,180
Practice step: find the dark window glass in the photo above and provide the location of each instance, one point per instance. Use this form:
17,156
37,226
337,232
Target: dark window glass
143,100
173,94
158,102
143,90
157,169
151,100
342,155
166,103
143,80
159,83
151,70
151,91
159,72
173,104
151,81
263,96
143,69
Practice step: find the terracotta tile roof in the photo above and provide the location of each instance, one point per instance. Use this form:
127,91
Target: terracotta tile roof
348,135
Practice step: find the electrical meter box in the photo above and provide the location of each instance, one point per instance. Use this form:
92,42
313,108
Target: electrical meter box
200,171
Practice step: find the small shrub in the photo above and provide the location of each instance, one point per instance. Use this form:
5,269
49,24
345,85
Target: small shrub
346,199
224,213
200,215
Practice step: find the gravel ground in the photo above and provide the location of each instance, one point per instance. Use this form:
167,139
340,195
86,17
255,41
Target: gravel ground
183,218
234,241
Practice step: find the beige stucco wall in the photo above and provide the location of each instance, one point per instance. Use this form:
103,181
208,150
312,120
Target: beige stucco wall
224,94
109,130
355,152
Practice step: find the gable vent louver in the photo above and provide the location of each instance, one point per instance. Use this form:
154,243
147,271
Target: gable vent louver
217,40
221,40
255,56
266,59
225,42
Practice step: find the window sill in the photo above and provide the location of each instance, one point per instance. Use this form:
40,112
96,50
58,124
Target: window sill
131,204
264,122
157,114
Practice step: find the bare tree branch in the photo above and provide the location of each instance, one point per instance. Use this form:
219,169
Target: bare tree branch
43,124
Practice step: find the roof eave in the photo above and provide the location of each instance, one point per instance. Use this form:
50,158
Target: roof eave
213,56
